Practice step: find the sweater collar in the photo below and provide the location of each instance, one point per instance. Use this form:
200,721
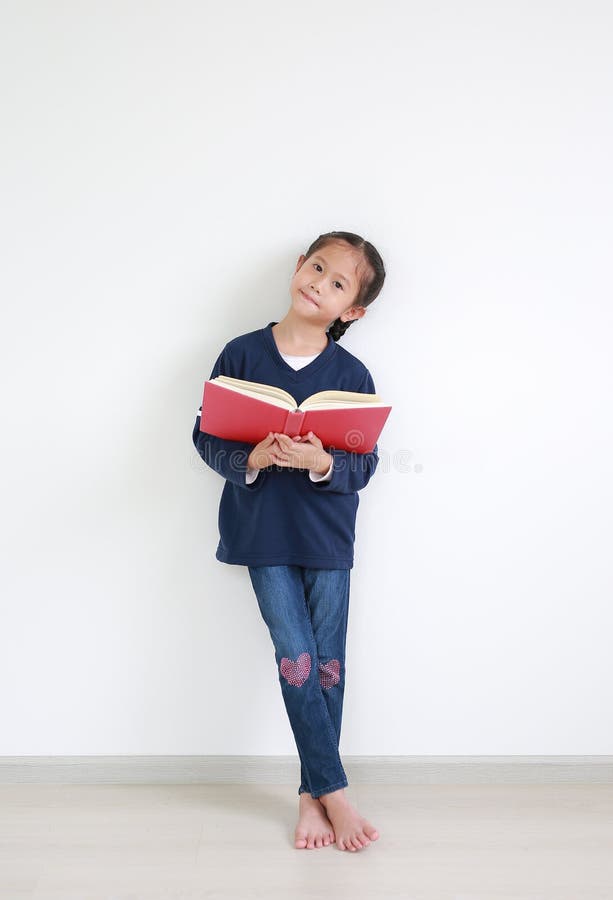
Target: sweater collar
306,371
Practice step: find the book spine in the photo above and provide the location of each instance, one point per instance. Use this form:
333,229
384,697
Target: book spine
293,422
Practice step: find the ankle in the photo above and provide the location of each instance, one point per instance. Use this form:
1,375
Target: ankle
333,796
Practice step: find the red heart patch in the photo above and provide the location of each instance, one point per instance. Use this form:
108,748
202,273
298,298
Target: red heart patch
296,671
329,673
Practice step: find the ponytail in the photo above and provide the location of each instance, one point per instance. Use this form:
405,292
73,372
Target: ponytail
338,328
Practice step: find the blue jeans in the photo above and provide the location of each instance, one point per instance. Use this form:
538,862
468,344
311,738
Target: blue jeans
306,613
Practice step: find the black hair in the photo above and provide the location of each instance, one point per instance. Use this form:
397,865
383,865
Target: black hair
371,281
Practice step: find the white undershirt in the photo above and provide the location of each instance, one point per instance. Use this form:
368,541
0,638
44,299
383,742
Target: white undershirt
296,362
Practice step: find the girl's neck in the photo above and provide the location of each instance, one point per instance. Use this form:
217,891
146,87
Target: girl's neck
298,338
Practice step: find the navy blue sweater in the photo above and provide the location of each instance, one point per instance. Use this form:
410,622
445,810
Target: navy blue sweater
284,518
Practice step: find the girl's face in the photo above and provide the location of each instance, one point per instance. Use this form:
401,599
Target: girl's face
325,286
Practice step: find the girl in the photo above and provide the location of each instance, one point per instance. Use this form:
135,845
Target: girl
288,511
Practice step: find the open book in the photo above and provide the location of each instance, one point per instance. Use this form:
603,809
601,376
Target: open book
247,410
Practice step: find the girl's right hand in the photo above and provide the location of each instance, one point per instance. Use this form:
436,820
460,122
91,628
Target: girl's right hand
266,453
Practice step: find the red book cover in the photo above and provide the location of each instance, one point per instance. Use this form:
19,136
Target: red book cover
238,415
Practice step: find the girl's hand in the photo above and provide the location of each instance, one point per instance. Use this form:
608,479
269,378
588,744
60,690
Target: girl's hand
304,452
264,453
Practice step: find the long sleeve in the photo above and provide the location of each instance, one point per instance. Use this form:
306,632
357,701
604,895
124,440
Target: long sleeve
227,458
327,477
252,474
351,471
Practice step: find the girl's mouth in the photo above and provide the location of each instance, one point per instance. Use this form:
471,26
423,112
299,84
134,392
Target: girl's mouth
306,297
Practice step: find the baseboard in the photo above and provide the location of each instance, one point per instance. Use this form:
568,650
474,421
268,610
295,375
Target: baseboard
286,770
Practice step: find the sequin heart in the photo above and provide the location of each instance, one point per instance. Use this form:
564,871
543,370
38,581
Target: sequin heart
329,673
297,671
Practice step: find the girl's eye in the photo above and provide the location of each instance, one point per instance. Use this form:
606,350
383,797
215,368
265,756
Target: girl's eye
336,282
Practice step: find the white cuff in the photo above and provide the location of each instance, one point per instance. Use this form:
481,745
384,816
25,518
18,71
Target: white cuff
327,477
251,475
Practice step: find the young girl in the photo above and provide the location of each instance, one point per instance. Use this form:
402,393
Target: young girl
288,511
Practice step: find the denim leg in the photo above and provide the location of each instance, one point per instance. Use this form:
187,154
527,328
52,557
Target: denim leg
327,595
280,592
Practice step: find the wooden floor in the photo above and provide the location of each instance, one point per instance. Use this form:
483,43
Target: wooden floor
208,842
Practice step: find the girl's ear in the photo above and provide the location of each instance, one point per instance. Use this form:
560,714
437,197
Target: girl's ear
356,313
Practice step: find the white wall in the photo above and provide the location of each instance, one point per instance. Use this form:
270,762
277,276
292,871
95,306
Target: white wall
163,166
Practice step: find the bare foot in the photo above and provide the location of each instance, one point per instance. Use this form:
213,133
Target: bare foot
352,831
314,828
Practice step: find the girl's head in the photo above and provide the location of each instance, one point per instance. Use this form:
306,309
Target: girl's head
338,277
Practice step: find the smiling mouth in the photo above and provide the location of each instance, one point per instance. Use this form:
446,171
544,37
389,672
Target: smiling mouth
310,299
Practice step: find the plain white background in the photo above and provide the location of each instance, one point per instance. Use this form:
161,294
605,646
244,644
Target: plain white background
163,165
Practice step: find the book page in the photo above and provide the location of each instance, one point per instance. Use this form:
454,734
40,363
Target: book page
320,400
266,392
340,399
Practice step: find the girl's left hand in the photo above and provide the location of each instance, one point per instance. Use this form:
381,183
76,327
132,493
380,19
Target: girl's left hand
304,452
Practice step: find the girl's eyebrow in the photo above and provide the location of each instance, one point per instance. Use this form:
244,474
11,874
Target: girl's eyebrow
338,274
